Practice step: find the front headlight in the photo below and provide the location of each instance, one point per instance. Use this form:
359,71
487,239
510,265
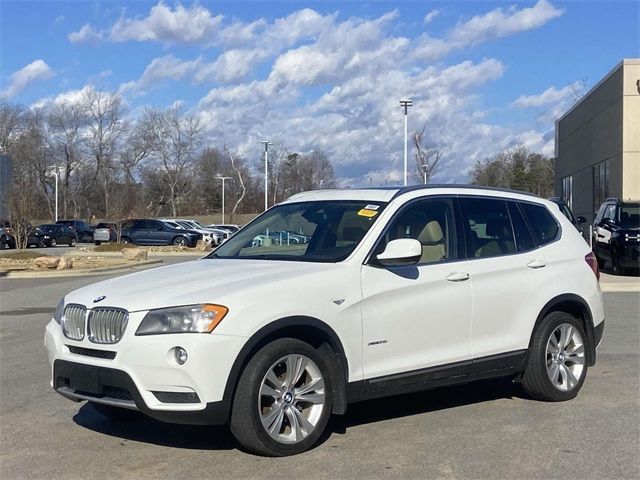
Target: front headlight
57,316
187,319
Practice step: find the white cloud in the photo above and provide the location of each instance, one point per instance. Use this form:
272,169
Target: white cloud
86,34
19,80
334,84
550,96
498,23
180,25
428,18
495,24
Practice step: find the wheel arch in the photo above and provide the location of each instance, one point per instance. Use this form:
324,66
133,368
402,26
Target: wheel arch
576,306
305,328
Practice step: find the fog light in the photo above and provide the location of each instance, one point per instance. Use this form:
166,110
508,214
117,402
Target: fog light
180,354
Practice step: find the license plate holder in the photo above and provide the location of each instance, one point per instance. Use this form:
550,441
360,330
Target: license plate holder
85,379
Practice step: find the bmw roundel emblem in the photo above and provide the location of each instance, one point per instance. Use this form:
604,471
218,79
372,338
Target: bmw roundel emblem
99,299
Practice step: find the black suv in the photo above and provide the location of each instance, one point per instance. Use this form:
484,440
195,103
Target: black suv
616,234
156,232
83,230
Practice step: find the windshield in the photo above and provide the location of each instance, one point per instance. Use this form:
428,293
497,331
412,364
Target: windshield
309,232
630,215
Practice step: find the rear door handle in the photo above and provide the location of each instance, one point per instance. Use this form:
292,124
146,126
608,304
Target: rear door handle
457,277
536,264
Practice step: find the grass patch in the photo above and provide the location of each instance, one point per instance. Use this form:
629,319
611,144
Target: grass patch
23,255
112,247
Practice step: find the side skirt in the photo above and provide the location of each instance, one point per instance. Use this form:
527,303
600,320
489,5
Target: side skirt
493,366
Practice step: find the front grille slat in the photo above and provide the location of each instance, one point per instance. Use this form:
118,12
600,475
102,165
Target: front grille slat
106,325
73,321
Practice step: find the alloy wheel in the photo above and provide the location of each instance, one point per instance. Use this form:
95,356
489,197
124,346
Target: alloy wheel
565,356
291,398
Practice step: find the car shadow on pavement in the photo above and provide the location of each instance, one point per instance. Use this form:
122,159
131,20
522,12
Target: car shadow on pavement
424,402
144,429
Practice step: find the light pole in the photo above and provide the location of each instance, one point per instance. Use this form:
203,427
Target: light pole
54,171
405,104
223,179
266,172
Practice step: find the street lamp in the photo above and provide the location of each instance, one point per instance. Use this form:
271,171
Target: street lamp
405,104
54,171
266,172
223,179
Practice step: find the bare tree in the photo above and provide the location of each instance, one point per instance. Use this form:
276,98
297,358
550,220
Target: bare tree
66,123
105,127
11,121
235,160
175,136
427,156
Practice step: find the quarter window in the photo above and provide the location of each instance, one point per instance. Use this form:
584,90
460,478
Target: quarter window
544,226
488,227
524,239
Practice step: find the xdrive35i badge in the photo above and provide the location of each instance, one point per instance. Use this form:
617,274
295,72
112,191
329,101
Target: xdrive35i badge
99,299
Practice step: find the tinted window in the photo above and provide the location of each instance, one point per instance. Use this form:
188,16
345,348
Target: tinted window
544,226
610,212
524,239
629,215
431,223
326,231
488,227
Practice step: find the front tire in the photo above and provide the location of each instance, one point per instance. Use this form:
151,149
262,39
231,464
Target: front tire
283,400
72,243
180,242
557,362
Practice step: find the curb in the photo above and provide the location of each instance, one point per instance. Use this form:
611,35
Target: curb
81,273
620,287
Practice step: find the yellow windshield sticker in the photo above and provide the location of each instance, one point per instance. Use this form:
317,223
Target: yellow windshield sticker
365,212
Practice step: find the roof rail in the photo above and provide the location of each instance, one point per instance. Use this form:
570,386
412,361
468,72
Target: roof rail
402,190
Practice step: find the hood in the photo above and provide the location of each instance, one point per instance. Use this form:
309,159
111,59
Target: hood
194,282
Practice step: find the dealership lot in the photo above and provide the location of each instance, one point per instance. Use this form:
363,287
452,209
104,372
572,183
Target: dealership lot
482,430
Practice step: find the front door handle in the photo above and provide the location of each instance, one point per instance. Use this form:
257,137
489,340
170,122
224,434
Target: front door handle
457,277
536,264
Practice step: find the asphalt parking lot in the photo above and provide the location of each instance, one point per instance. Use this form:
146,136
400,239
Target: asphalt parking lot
482,430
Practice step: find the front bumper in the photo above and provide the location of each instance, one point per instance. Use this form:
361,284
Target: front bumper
139,372
110,386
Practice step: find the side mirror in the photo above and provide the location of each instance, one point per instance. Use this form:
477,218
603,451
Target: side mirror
400,252
581,220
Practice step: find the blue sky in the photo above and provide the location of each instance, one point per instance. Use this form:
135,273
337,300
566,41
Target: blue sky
483,75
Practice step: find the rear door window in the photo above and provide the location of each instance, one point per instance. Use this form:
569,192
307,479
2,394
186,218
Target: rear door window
488,227
544,225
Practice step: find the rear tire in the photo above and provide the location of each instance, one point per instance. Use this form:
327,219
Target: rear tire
125,240
557,363
97,243
72,243
283,400
615,264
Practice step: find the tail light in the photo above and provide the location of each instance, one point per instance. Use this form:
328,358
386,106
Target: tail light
592,261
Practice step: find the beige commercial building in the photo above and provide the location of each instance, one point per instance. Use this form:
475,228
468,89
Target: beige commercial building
598,143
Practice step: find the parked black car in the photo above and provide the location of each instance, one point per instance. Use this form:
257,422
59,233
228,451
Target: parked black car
7,238
82,229
156,232
51,235
616,235
566,211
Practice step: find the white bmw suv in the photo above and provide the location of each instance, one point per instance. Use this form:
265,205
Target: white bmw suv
397,290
